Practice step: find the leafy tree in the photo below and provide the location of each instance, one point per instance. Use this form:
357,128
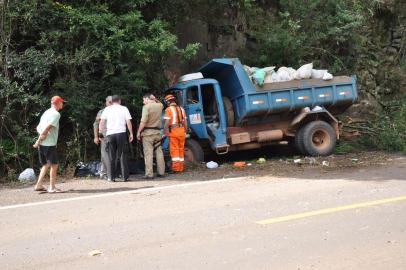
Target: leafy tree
83,51
322,31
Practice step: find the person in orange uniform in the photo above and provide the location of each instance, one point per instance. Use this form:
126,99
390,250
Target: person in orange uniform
175,128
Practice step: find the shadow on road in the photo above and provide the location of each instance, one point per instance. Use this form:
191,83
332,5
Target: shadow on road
104,190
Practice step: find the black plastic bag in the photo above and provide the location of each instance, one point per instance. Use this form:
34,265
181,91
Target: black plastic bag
91,168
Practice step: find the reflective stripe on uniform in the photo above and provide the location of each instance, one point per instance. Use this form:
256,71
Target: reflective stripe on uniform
183,113
174,116
176,159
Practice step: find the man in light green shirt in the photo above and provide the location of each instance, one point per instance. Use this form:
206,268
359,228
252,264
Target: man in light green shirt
48,130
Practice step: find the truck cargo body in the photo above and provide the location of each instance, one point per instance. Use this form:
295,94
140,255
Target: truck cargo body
250,101
227,112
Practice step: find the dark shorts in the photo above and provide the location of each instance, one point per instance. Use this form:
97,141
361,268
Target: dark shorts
47,155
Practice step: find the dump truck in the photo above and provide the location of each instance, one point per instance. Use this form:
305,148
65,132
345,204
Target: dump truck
227,112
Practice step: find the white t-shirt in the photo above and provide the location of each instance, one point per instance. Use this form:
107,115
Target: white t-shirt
116,116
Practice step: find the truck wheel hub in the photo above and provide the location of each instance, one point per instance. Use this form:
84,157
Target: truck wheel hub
320,139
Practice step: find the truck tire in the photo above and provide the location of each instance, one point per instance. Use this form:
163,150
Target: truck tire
299,140
318,138
228,108
193,152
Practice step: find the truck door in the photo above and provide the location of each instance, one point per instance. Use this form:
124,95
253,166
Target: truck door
194,110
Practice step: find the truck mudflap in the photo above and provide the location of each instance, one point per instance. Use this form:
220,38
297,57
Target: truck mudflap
321,114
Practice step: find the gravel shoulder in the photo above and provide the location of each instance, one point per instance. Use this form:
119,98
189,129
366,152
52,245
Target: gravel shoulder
362,166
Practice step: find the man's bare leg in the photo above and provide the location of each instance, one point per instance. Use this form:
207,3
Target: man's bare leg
52,181
43,172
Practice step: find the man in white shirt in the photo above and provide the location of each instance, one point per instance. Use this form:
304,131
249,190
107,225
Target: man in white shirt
118,120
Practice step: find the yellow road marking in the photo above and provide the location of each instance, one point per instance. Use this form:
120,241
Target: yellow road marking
330,210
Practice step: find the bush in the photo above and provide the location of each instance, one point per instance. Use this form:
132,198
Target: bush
83,51
392,127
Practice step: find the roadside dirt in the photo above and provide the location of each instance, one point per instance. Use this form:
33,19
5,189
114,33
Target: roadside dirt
354,166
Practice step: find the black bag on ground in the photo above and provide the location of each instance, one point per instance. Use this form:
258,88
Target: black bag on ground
91,168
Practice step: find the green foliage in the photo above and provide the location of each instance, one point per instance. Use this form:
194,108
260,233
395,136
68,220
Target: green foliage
392,127
83,51
323,32
344,148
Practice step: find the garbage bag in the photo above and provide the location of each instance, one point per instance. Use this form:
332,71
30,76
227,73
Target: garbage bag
84,169
292,72
318,73
27,175
268,78
247,70
212,165
268,70
305,71
275,77
284,74
136,166
327,76
259,77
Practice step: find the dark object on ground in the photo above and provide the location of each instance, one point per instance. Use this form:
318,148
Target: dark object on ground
91,168
136,166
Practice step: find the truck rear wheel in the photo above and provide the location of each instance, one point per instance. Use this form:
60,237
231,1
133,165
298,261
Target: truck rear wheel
299,141
318,138
228,108
193,152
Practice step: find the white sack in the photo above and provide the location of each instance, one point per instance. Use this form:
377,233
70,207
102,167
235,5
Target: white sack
212,165
292,72
275,77
305,71
247,70
268,78
284,75
27,175
327,76
268,69
318,73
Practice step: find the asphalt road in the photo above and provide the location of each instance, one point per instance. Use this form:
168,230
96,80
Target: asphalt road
258,222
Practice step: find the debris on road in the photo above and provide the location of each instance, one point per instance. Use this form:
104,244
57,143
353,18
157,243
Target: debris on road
212,165
325,163
310,160
261,160
27,175
240,164
297,161
95,253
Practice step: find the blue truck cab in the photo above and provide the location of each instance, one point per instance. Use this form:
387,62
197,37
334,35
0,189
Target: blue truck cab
227,112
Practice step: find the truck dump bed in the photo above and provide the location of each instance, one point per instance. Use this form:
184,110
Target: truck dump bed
250,100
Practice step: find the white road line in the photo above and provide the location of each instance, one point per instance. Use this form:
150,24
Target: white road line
141,190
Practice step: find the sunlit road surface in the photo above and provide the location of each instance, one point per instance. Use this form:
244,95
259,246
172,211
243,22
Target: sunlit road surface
354,222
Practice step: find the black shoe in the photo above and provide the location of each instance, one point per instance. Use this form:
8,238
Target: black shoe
160,175
147,177
125,180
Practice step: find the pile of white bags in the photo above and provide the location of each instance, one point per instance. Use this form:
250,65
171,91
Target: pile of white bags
267,75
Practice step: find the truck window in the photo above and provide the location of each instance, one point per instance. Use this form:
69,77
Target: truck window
209,102
192,95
